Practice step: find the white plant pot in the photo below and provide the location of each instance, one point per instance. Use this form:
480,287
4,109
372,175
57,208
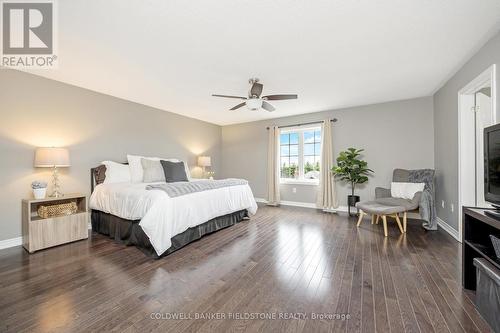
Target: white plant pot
39,193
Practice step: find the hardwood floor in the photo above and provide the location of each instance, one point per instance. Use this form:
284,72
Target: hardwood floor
290,262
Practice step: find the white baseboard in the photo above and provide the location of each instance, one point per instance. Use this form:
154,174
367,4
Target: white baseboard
4,244
343,209
304,205
298,204
446,227
290,203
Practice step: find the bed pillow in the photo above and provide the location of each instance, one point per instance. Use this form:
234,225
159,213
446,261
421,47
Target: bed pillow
116,172
406,190
174,171
152,171
137,172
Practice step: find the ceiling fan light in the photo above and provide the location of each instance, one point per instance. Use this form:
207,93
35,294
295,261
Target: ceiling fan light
254,103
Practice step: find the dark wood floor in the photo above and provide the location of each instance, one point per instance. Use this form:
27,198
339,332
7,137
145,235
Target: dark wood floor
283,262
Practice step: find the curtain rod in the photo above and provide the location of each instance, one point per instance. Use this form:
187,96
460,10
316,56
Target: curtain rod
334,120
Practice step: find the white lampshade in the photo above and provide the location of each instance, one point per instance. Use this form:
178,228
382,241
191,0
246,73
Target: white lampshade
204,161
49,157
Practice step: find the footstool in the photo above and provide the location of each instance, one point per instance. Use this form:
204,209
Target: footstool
377,210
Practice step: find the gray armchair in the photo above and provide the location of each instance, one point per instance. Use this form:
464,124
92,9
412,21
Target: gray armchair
422,202
383,195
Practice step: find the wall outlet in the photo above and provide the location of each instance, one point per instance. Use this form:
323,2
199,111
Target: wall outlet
294,190
452,207
442,203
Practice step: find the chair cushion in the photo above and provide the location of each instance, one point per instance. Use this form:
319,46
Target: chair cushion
377,208
408,204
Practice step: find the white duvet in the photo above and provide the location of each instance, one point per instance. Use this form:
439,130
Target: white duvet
163,217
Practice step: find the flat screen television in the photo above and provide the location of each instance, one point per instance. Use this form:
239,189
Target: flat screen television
492,164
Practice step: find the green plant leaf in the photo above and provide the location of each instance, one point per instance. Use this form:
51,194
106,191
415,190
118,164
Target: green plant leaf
350,168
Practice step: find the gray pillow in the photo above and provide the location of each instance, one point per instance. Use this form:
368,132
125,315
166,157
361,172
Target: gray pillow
174,171
153,171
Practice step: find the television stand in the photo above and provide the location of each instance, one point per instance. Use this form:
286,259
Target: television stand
478,225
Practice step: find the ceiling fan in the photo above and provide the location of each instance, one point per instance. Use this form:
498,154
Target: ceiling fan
254,101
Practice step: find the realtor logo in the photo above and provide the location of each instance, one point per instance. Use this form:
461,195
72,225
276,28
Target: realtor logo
28,34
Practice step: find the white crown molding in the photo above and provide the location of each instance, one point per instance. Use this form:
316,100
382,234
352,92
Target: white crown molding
446,227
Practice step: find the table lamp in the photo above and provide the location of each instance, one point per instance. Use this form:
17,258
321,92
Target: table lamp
51,157
204,161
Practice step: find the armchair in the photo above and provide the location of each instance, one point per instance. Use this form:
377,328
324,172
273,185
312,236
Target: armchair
422,203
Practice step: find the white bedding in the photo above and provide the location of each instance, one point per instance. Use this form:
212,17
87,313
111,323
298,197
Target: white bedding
163,217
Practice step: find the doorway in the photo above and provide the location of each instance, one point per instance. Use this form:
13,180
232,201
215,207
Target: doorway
477,110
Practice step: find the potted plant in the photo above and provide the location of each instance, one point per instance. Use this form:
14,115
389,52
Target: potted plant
39,189
353,170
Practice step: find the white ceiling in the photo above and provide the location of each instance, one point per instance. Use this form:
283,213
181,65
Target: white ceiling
174,54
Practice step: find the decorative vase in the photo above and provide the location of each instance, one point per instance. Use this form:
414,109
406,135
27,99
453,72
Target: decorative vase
351,202
39,193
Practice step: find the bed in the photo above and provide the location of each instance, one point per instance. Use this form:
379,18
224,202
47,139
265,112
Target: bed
159,224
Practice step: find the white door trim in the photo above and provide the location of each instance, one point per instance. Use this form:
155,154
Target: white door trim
486,78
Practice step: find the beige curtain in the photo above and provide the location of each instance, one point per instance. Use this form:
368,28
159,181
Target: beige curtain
273,167
327,197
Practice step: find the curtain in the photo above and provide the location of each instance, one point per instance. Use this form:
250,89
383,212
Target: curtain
273,167
327,197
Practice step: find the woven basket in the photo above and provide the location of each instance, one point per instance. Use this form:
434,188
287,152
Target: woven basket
57,210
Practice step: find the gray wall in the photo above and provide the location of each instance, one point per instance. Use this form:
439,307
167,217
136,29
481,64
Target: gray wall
39,112
395,134
446,127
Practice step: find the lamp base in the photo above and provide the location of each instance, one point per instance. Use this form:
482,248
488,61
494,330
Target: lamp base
55,180
56,194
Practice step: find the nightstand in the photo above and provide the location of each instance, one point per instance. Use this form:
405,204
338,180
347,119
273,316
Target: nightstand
40,233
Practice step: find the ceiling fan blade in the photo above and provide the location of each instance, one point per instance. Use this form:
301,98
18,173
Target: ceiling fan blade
268,107
229,96
237,106
256,89
279,97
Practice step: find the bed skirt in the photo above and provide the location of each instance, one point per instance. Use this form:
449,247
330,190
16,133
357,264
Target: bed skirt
130,232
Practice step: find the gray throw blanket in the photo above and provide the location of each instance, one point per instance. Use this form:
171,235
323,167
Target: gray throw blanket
182,188
427,208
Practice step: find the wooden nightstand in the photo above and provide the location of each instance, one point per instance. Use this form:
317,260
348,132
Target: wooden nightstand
40,233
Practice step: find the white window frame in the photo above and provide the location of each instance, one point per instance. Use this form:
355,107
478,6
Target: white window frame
301,180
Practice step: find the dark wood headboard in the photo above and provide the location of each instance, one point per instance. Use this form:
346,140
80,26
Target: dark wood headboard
97,176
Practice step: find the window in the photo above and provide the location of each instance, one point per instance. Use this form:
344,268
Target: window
300,154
